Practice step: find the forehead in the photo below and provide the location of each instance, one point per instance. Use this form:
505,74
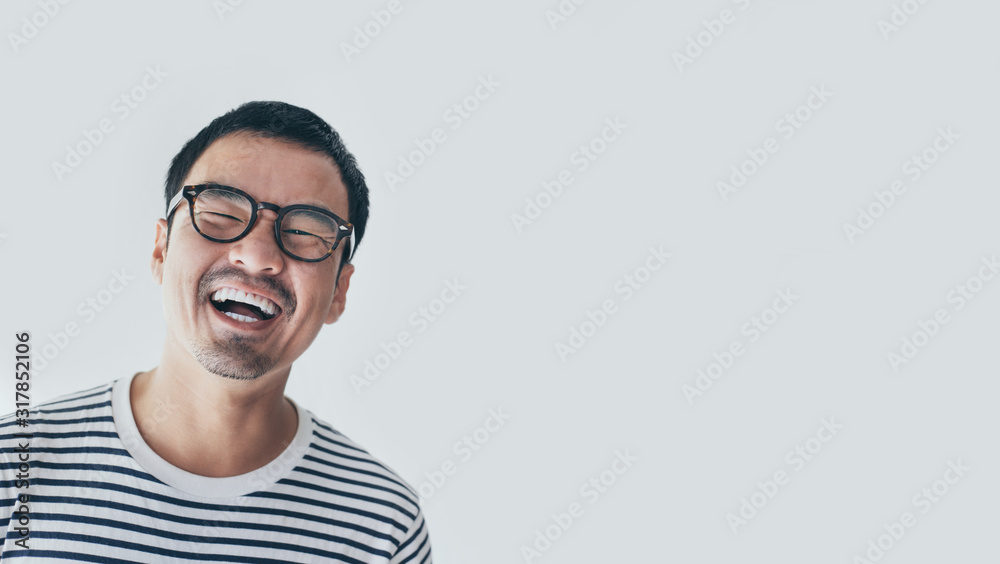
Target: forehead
272,170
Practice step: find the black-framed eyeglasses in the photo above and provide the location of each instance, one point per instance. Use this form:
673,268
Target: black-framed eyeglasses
225,214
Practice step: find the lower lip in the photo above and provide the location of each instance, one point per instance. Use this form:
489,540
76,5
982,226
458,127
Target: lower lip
242,325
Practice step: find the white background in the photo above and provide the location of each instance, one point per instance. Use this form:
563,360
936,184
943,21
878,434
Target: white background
655,186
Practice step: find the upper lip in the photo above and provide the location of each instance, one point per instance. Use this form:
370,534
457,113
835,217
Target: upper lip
247,290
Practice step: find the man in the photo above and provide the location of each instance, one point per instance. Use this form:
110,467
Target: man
203,458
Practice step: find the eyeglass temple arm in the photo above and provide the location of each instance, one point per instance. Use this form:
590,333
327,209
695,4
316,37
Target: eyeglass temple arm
349,226
175,201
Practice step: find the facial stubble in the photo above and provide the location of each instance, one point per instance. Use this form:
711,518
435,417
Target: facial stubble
235,358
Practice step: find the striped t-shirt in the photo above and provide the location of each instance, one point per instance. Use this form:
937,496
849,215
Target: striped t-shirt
80,485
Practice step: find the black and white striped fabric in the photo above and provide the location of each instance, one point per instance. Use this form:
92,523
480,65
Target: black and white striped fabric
97,493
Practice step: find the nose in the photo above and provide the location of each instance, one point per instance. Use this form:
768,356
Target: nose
257,251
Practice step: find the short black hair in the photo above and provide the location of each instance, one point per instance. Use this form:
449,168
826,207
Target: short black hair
285,122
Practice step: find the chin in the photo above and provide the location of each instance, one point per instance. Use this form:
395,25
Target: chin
233,361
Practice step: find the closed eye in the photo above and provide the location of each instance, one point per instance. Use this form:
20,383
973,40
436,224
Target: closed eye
219,215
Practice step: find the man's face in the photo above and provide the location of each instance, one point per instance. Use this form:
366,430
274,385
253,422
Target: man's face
303,295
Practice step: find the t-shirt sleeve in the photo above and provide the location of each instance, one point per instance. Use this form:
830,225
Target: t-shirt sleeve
416,548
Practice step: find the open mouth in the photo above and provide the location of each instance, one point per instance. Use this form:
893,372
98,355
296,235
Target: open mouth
241,306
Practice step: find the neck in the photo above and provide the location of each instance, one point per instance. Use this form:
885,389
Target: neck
210,425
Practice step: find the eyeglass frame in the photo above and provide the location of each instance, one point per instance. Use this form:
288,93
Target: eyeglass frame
191,192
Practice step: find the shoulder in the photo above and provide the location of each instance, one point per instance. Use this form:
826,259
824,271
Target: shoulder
353,480
331,450
47,434
89,408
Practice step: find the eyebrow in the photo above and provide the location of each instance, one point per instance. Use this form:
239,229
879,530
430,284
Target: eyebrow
314,204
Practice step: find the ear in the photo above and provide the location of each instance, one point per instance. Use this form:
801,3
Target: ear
340,294
159,251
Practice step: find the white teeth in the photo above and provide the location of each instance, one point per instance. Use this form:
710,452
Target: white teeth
239,317
223,294
263,303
